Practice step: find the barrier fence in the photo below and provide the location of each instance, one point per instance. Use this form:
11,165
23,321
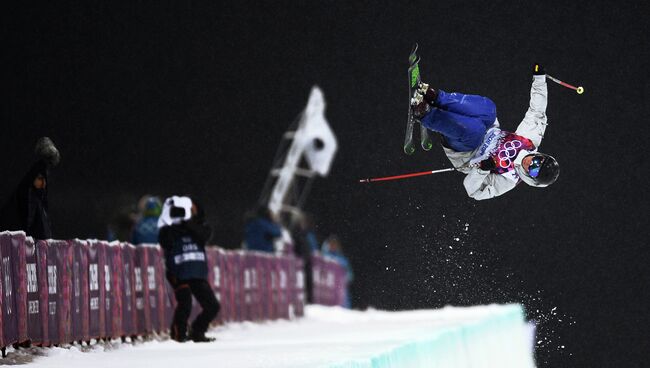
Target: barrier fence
65,291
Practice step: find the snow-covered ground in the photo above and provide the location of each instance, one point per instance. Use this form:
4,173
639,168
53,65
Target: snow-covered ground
330,337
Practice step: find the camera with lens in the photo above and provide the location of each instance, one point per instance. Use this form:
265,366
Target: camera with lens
177,212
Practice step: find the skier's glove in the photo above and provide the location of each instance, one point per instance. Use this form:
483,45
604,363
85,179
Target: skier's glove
487,165
538,69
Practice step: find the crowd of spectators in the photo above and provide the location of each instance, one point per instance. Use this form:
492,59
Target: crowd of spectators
264,232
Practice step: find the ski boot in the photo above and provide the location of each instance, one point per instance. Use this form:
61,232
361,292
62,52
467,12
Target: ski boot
430,95
423,99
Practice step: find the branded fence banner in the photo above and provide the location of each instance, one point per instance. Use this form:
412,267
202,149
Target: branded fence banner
254,265
227,279
59,288
330,280
9,314
214,277
143,311
264,279
317,290
285,266
339,286
275,288
299,287
96,289
322,278
237,270
43,288
155,282
278,291
161,297
327,281
36,289
127,276
79,305
248,272
18,268
290,269
113,284
2,295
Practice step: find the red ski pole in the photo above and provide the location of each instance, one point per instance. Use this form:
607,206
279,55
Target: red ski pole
578,90
404,176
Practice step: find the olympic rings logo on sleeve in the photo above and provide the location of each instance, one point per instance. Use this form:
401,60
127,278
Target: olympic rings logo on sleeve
508,152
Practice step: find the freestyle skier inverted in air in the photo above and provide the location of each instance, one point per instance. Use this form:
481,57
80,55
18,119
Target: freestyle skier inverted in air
493,160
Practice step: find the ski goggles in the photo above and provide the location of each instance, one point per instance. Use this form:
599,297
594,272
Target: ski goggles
535,166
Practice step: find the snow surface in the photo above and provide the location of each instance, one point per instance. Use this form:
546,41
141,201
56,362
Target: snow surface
486,336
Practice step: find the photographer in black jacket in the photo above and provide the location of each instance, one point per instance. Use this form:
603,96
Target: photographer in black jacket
183,236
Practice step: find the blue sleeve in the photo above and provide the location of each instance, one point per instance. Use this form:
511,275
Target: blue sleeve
135,236
272,228
313,243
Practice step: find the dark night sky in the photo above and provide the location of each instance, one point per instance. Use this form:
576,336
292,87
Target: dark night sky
193,98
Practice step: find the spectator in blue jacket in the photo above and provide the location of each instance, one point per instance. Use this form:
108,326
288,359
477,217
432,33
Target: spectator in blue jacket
261,231
146,229
332,248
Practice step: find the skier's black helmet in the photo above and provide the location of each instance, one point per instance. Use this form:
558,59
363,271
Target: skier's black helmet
543,169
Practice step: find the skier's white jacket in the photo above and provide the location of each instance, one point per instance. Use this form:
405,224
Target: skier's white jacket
481,184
